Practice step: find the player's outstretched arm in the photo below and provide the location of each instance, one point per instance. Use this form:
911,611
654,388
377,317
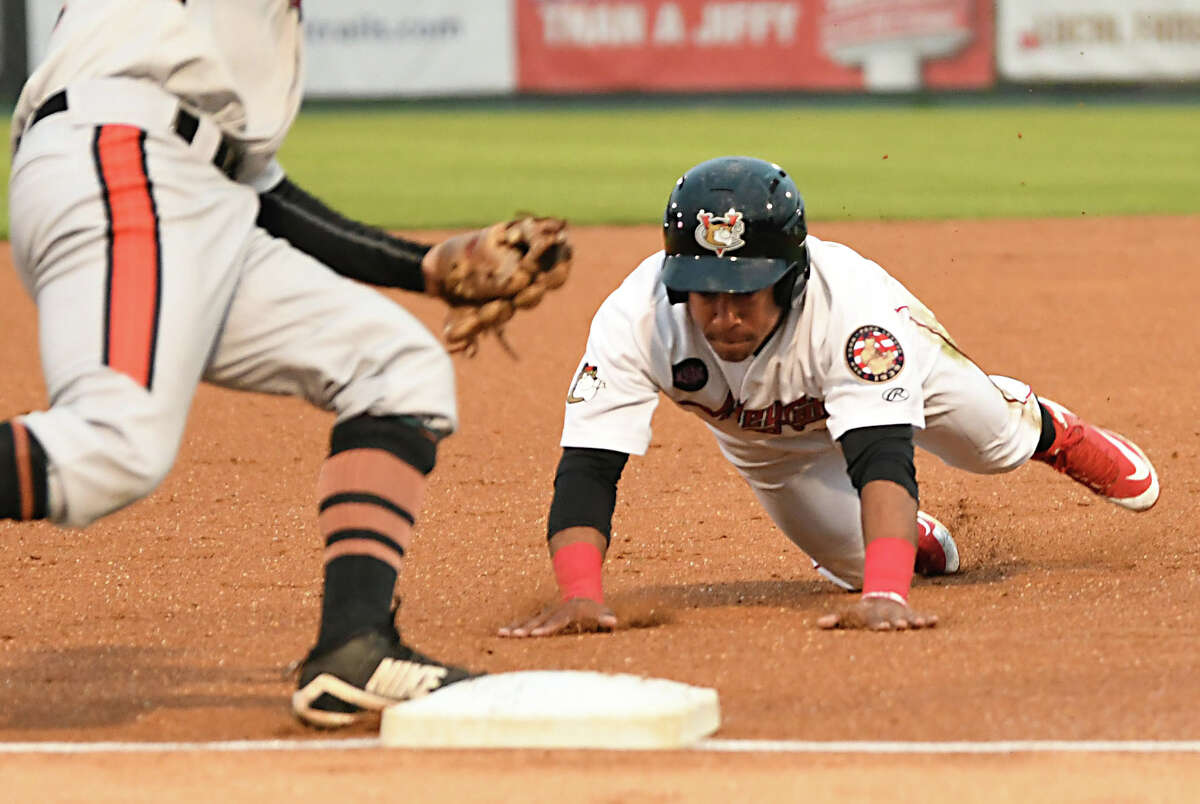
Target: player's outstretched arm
350,248
889,517
580,524
577,554
485,275
879,461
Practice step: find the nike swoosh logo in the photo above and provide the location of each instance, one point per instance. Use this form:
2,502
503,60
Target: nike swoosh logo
1140,465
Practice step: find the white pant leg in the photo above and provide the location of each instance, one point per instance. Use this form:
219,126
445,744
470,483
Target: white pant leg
110,440
974,422
979,423
983,424
296,327
810,498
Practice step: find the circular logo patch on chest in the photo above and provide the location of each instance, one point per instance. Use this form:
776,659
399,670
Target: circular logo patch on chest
874,354
689,375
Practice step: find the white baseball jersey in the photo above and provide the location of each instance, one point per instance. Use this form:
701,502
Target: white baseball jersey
146,263
856,349
831,366
237,62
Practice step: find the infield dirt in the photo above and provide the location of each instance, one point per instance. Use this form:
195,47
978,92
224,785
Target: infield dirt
1072,619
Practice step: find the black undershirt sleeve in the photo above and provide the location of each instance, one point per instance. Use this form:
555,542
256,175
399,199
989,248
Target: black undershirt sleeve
880,453
350,248
585,490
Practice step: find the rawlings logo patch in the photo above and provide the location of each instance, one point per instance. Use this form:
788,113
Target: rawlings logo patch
873,354
587,383
720,233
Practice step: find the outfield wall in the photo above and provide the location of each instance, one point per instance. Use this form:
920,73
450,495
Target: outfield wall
699,45
1107,40
367,49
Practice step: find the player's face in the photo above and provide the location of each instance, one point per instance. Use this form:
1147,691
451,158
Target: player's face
734,324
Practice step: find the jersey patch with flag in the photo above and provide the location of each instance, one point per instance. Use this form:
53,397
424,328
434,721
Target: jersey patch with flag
874,354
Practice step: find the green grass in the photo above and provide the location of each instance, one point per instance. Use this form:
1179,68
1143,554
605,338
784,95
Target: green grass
439,167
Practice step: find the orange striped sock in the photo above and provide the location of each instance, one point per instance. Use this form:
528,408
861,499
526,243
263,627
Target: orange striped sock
368,499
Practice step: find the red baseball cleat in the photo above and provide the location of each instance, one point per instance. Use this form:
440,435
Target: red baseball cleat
1108,464
937,554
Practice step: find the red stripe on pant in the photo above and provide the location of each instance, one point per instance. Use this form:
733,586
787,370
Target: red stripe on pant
24,468
134,259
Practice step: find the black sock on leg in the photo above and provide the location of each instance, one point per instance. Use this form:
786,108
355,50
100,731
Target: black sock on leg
23,469
358,597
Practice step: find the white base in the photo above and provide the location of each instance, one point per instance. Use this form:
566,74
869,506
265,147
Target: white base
555,709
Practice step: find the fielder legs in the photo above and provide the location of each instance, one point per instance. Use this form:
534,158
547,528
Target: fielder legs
132,275
347,348
153,277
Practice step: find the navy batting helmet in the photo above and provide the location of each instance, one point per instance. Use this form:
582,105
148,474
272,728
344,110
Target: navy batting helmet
735,225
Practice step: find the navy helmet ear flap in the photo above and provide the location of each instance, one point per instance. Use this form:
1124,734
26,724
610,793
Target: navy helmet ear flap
792,283
676,296
785,288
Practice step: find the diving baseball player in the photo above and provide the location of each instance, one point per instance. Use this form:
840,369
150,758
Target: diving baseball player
817,373
164,246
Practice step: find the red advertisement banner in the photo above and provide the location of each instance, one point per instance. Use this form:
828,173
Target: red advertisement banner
707,45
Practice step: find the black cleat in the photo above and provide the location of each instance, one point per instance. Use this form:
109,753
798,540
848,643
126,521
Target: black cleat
368,672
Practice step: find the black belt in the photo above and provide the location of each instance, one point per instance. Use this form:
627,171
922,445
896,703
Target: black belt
227,158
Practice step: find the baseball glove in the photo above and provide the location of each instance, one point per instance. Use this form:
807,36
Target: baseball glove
487,275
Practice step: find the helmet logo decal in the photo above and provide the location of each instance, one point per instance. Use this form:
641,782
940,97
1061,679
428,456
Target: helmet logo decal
720,233
873,354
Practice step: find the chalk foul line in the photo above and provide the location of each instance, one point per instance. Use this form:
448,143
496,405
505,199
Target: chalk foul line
711,745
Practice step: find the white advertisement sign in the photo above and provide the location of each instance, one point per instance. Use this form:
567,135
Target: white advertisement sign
358,48
408,48
1098,40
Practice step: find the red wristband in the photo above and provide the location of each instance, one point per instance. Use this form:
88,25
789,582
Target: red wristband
888,569
577,567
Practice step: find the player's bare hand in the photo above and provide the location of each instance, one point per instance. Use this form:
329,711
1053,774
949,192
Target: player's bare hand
878,614
573,616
